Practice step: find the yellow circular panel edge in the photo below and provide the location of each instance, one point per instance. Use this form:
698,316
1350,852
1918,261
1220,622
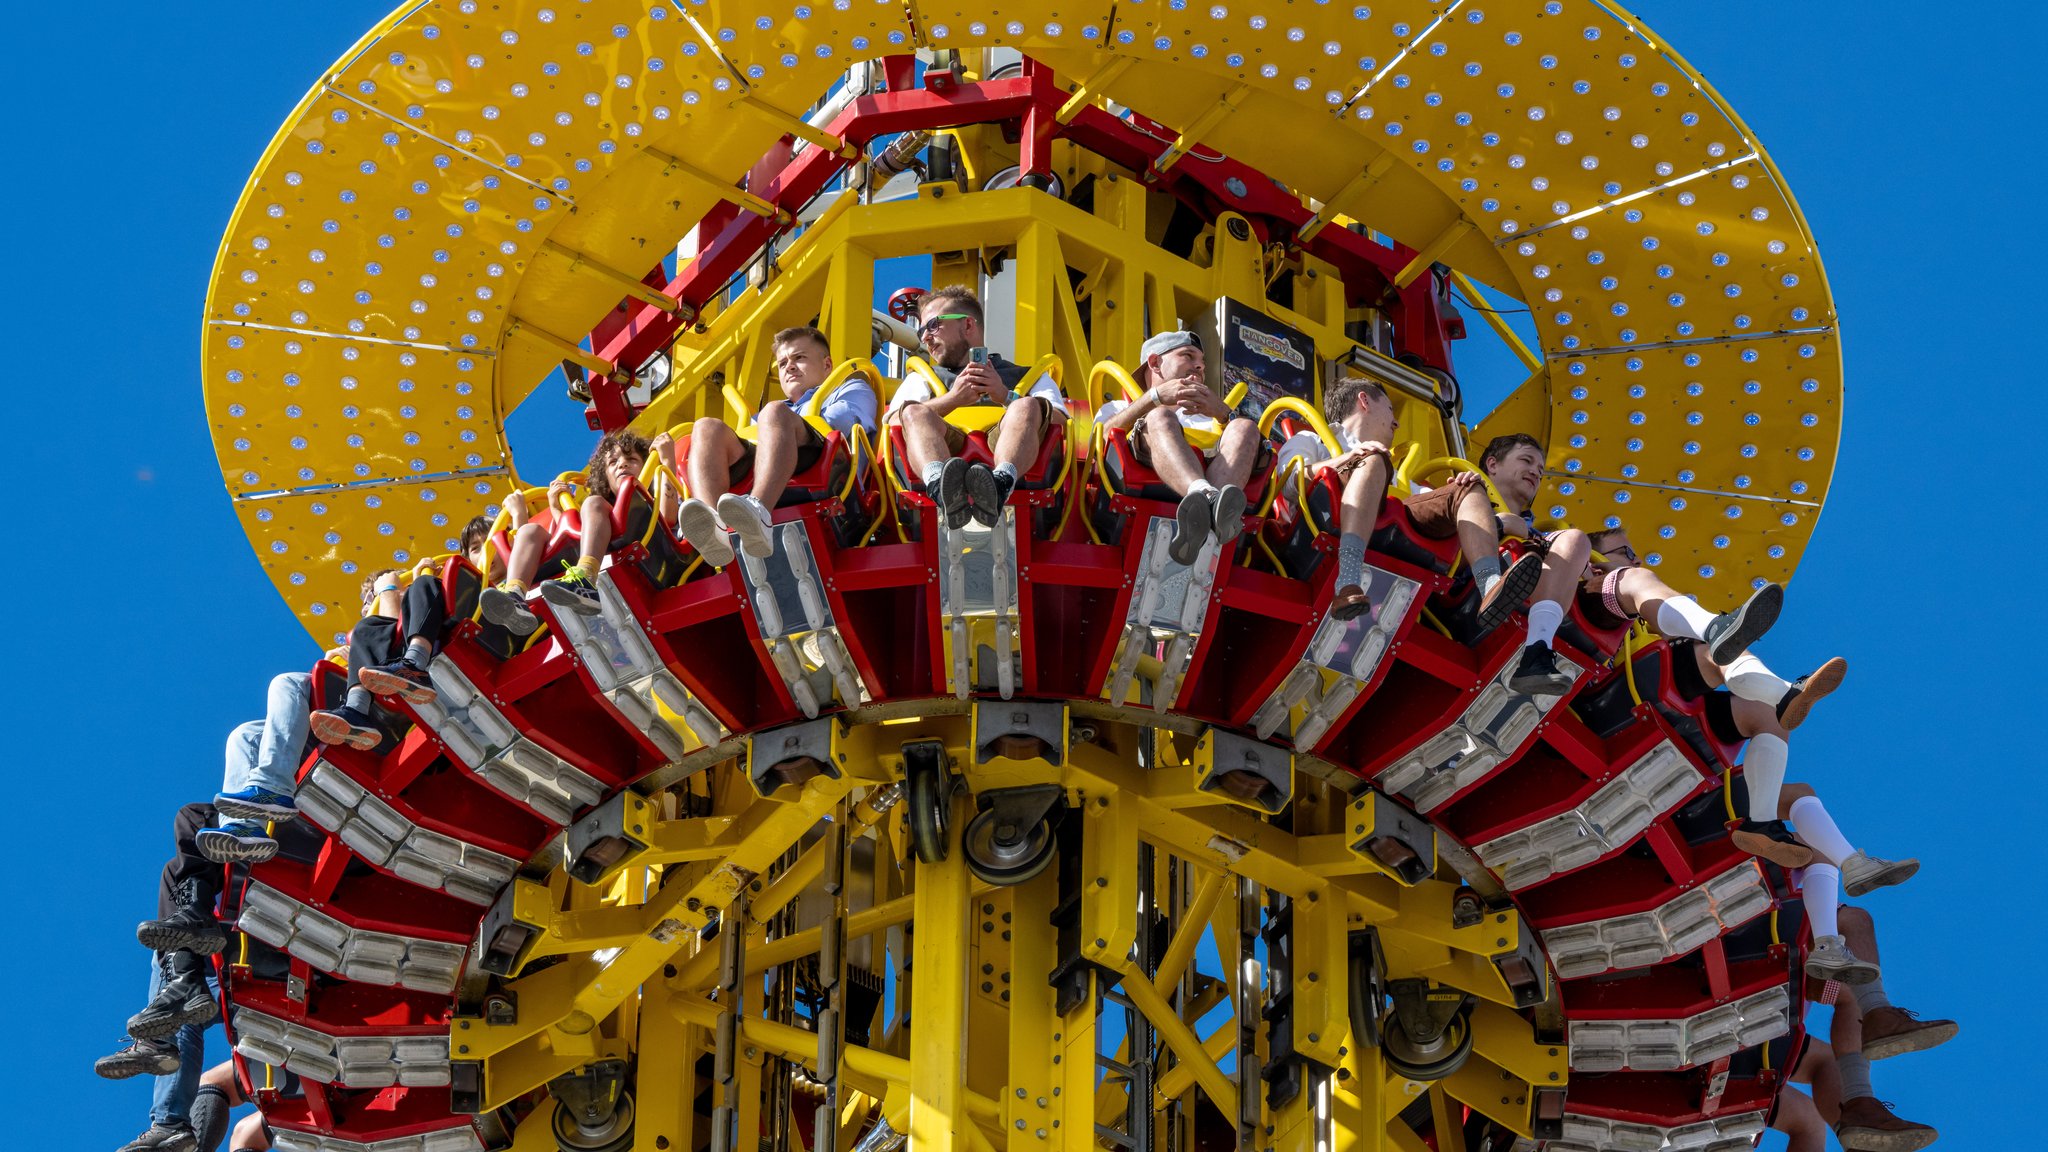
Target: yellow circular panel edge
358,364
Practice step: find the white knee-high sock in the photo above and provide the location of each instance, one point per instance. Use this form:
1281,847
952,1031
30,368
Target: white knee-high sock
1820,886
1544,617
1763,770
1683,616
1750,679
1818,831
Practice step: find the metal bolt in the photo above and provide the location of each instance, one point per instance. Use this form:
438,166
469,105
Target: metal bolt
462,1048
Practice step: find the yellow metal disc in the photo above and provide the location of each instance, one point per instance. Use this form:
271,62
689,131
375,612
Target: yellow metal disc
457,195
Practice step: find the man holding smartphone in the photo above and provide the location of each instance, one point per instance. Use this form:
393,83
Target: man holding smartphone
951,330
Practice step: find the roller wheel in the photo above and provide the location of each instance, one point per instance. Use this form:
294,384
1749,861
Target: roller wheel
931,808
1005,854
615,1135
1432,1061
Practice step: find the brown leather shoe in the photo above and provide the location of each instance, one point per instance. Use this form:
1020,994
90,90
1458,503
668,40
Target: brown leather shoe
1867,1125
1892,1031
1809,690
1350,602
1511,592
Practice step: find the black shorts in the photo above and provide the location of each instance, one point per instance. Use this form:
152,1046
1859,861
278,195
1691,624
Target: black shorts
809,450
1685,676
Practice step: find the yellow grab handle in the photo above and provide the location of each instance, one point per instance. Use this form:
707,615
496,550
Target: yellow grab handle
1110,370
1458,464
1303,409
851,366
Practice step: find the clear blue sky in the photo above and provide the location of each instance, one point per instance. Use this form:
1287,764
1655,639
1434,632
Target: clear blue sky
134,127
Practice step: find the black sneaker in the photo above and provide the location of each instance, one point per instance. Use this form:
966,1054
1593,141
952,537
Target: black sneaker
1192,522
138,1058
1006,483
507,609
1731,633
1537,673
985,495
345,725
1226,512
401,678
182,1000
164,1138
191,926
1770,840
1510,594
950,493
572,591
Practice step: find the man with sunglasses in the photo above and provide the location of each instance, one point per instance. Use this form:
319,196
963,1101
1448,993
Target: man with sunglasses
951,331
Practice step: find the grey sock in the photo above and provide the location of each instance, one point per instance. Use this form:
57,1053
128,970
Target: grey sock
420,651
1350,560
931,472
1855,1068
210,1117
1486,572
1870,997
359,698
1007,471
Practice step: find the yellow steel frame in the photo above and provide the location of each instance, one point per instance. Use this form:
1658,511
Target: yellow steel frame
428,236
991,1064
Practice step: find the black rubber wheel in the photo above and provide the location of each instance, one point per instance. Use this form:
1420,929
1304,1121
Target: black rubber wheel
1005,863
1445,1057
616,1136
930,811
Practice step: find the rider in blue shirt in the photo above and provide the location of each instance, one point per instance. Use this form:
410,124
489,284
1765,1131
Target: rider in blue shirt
787,445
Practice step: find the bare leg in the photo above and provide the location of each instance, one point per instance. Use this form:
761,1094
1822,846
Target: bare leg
1642,593
597,533
1563,566
249,1134
781,430
1235,454
528,545
1364,492
1176,463
1800,1121
1820,1069
1478,531
714,449
1018,435
924,438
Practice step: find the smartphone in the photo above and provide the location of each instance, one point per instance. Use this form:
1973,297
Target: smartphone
977,355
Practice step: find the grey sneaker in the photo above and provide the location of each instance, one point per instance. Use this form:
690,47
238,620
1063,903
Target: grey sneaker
1227,503
1863,873
138,1058
701,530
1192,522
164,1138
749,521
1731,633
1830,959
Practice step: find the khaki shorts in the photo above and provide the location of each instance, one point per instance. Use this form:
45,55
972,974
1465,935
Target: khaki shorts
1142,452
956,438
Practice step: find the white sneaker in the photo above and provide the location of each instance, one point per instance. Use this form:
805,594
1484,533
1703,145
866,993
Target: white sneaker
1830,959
1863,873
700,527
749,521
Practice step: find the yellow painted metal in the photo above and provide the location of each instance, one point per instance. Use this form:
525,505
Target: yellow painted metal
938,1005
407,198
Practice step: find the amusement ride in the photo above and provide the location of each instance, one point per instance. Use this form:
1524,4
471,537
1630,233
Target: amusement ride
1022,836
